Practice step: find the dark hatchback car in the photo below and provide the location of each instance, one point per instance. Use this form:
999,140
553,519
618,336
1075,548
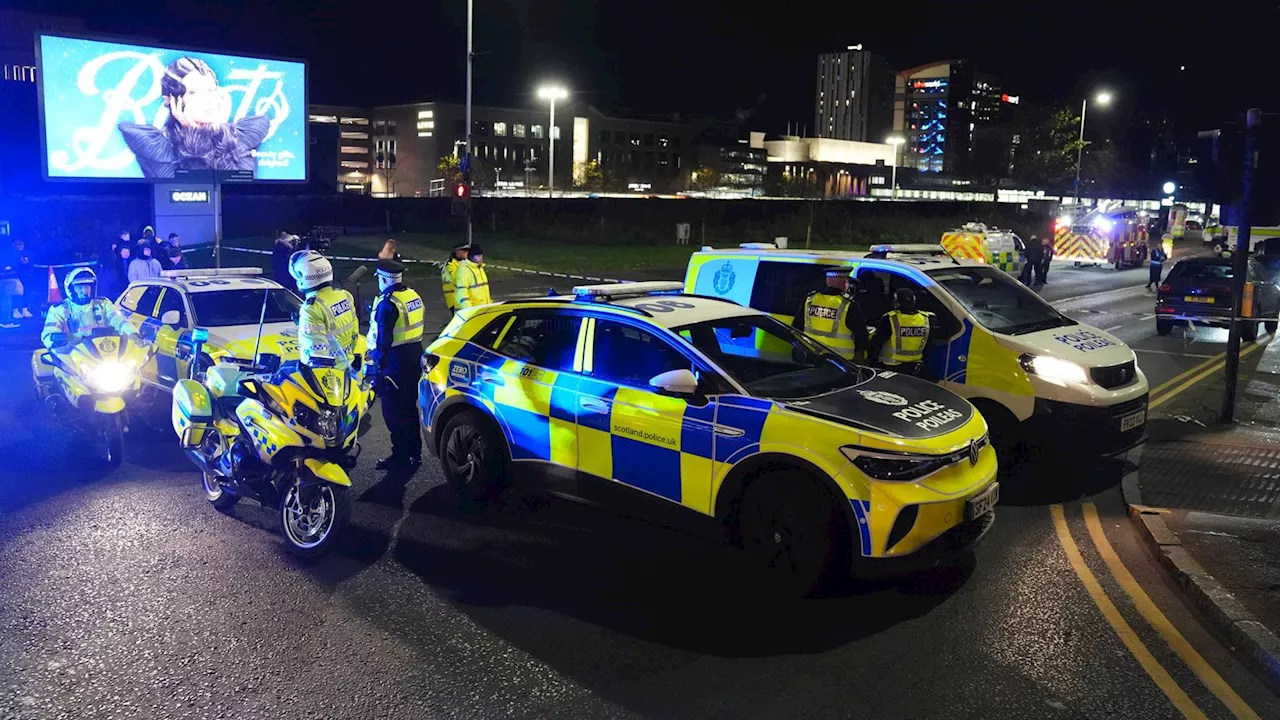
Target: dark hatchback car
1199,290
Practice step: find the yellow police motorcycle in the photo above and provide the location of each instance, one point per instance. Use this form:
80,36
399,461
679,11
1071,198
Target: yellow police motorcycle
284,435
91,383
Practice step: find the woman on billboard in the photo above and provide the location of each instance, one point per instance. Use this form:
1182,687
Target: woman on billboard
197,135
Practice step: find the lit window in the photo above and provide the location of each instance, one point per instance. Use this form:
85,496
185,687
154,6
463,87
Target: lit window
500,129
322,118
351,150
353,121
354,164
555,132
538,132
351,135
517,130
426,114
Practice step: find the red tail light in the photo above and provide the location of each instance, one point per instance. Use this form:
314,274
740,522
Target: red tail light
1166,287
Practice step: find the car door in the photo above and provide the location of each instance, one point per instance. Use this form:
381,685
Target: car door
530,377
633,435
168,367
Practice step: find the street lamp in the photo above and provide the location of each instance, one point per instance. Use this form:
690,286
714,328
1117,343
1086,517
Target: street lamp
1103,99
896,141
552,93
1169,188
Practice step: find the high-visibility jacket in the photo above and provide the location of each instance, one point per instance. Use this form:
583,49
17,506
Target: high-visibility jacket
409,318
825,317
908,334
472,285
447,275
75,322
328,328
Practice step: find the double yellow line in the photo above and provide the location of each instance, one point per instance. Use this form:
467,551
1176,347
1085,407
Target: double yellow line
1149,612
1167,390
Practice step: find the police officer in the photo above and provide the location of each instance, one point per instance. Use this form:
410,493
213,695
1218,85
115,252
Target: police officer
902,334
327,325
448,274
471,280
75,318
832,316
395,356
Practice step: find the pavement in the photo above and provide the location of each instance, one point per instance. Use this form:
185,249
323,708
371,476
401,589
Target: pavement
124,595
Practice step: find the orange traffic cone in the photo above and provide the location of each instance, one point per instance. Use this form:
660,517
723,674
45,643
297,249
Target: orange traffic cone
55,295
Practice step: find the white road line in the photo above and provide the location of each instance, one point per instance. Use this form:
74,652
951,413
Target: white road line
1148,317
1114,327
1175,354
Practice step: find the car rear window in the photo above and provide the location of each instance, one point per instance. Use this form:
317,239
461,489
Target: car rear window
1202,271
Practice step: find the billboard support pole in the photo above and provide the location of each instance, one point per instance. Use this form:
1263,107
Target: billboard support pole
466,173
217,220
1240,263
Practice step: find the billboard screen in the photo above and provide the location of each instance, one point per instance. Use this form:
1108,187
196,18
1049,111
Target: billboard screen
118,111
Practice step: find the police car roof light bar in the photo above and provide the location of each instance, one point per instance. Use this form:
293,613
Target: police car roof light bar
604,293
910,249
758,246
211,272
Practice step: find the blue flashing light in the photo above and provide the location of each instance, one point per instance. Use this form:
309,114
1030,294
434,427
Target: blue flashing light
200,335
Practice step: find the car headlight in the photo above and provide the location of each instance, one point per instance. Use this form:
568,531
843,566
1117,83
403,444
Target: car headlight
111,377
894,467
1052,369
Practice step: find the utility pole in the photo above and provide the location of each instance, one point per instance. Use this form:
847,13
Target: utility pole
1240,262
466,158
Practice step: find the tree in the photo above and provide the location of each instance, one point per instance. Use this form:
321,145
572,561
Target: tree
1046,150
704,179
590,176
450,168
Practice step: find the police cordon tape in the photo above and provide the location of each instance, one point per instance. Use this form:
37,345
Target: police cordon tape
437,263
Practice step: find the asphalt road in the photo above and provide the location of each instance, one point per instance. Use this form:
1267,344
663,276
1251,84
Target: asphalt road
124,595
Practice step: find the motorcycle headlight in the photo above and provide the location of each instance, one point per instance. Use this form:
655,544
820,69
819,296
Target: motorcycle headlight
324,423
1052,369
112,377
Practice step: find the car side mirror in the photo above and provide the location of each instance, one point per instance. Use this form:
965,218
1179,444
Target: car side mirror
172,318
679,383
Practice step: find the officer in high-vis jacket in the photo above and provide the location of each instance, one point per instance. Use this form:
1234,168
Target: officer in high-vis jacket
327,326
448,273
471,280
395,357
832,316
902,334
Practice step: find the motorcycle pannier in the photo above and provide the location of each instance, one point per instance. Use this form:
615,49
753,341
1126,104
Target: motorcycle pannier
192,412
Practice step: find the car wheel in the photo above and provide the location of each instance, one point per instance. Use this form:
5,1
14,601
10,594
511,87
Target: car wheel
790,525
1004,432
1272,326
473,456
1249,331
1164,327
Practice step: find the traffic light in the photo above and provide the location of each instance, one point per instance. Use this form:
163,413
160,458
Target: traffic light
460,190
461,198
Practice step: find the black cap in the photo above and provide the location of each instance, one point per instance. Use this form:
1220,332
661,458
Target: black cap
390,267
461,245
475,249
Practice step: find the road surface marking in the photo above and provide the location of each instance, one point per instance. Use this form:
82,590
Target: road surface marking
1113,327
1157,620
1217,364
1175,354
1154,670
1148,317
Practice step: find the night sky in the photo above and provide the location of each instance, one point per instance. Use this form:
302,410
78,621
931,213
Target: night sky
702,56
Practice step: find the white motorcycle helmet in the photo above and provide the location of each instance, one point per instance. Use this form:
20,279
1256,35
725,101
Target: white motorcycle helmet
80,277
310,269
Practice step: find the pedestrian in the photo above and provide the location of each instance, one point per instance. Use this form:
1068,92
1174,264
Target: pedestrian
285,246
144,266
1158,257
831,315
10,288
471,280
902,334
1046,249
26,280
1034,257
164,251
110,251
395,363
447,275
114,275
175,259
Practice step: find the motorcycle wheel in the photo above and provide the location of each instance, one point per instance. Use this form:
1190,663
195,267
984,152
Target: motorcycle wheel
313,515
114,434
218,497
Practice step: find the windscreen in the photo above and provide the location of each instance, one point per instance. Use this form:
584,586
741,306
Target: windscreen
998,302
243,307
1202,271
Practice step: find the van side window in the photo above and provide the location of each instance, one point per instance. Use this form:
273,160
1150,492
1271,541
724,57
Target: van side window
781,287
946,325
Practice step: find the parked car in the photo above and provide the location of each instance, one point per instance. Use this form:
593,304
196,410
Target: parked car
1199,290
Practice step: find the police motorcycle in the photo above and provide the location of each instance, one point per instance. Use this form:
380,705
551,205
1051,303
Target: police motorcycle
92,382
282,434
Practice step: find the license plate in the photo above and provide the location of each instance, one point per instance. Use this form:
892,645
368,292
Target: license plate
1136,420
982,504
1199,299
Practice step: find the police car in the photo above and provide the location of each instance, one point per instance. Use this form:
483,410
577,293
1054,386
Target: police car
226,302
703,404
1033,372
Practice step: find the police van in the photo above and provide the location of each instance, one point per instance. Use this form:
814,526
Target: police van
1032,371
976,241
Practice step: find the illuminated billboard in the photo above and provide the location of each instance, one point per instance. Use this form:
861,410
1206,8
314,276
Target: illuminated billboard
117,111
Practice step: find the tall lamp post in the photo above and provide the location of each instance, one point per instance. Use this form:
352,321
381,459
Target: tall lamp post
552,93
896,141
1103,99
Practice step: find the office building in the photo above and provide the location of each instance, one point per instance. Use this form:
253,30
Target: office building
854,96
824,167
952,119
18,42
